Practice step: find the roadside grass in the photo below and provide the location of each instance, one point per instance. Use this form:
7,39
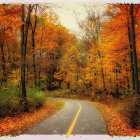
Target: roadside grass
58,93
61,104
13,120
16,125
64,93
11,99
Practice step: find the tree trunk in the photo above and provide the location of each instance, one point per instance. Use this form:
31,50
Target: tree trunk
33,45
27,75
102,71
133,38
39,72
3,63
131,57
24,36
46,77
117,86
39,78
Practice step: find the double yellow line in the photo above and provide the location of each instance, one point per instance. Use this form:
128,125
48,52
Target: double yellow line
74,121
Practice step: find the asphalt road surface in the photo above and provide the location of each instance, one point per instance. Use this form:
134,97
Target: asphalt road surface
76,117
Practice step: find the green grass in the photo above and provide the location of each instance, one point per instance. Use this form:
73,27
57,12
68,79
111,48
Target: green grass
35,98
11,99
61,104
119,108
58,93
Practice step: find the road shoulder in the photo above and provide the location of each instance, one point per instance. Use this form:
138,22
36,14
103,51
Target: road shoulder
16,125
116,123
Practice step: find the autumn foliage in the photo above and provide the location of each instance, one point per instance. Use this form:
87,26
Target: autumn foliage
38,54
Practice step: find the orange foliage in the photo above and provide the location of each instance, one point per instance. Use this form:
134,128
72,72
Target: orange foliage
9,21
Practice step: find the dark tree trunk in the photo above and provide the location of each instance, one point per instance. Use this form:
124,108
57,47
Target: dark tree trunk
39,72
33,45
102,72
68,85
27,76
8,52
39,77
127,80
46,77
3,63
131,57
117,86
23,86
24,35
133,38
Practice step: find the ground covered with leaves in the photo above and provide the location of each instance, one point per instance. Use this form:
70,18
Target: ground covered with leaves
116,122
16,125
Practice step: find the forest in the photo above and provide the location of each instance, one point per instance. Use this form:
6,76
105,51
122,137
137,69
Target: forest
40,58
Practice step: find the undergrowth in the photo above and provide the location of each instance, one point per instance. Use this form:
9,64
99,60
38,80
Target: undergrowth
128,107
11,99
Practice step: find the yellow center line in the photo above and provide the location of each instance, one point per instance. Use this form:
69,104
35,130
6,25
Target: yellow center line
74,121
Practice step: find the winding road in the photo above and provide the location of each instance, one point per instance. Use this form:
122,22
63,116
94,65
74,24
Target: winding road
76,117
